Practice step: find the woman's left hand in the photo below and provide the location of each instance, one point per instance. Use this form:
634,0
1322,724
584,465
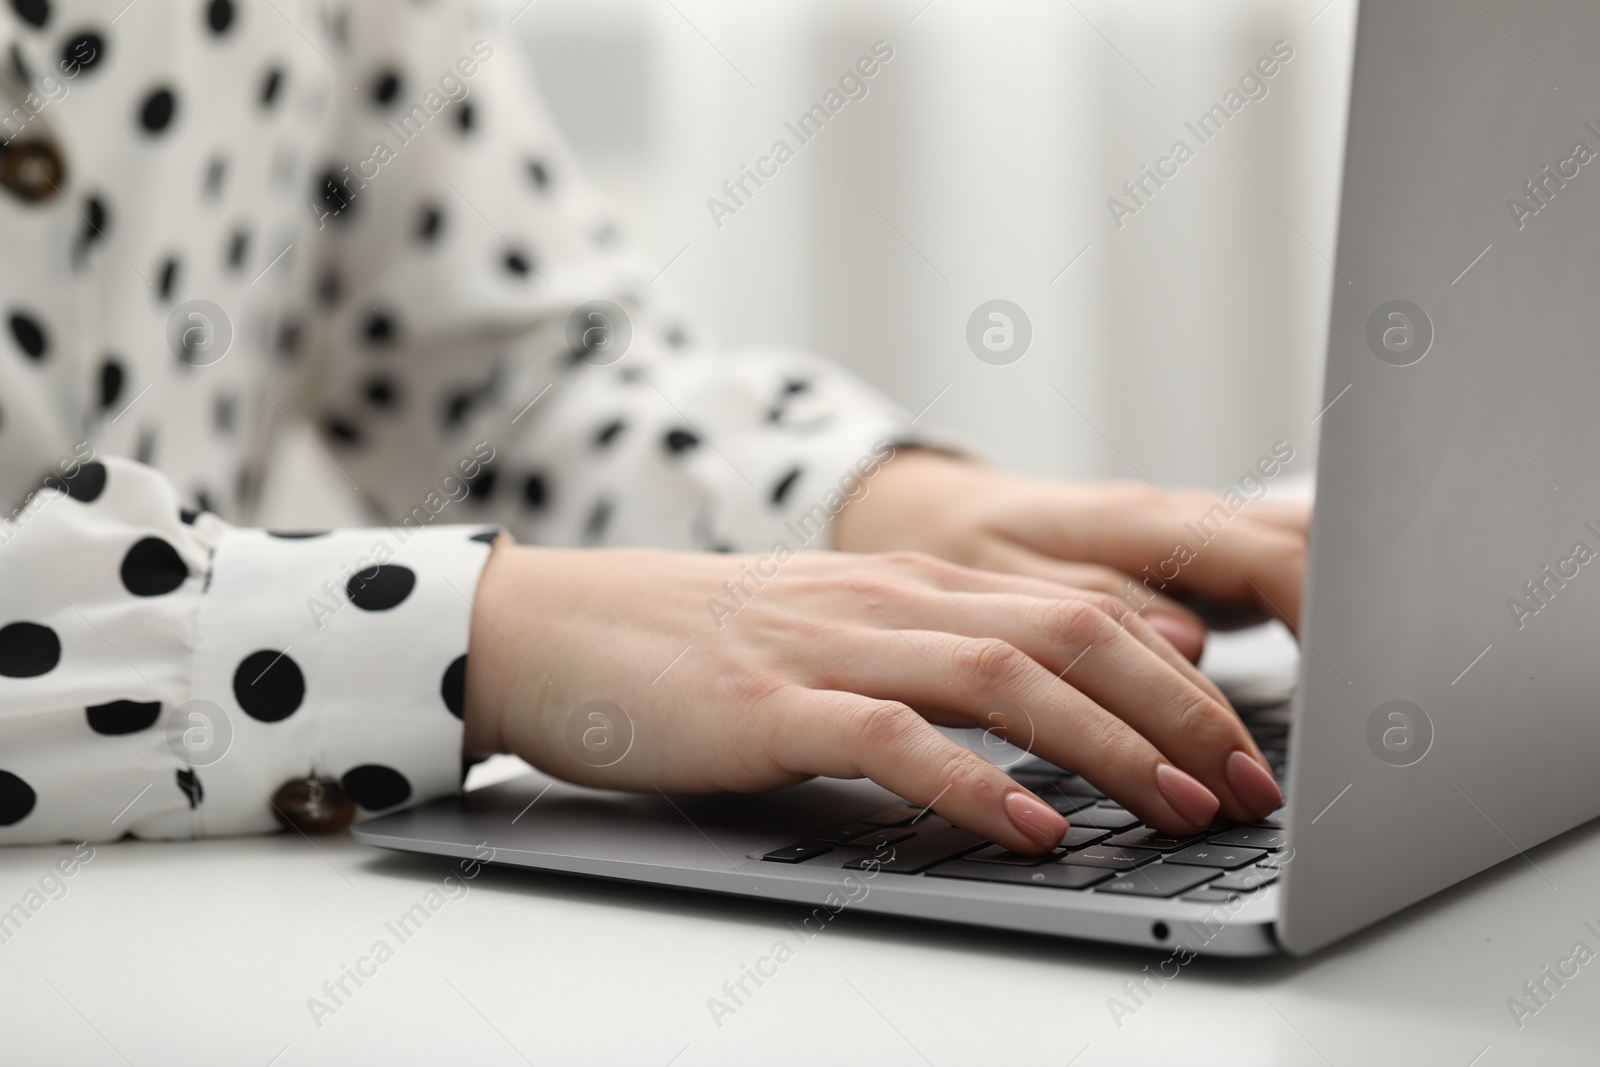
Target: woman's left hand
1143,545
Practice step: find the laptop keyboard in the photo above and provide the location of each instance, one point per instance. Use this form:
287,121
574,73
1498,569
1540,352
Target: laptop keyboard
1106,850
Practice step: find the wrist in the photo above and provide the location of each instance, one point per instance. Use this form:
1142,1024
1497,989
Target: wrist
909,503
489,675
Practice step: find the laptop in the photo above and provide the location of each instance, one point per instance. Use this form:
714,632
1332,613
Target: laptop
1445,714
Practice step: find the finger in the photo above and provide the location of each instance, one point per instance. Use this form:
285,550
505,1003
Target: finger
1174,622
1291,515
1150,633
955,578
989,682
1007,558
1090,648
1086,646
1218,556
843,735
892,595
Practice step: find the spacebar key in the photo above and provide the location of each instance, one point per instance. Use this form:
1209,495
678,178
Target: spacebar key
1159,880
920,852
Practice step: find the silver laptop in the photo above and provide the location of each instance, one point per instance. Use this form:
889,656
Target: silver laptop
1446,715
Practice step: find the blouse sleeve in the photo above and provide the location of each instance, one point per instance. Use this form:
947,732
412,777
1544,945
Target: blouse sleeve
481,301
163,673
479,345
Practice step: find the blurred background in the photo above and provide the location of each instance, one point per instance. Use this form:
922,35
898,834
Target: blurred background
1177,347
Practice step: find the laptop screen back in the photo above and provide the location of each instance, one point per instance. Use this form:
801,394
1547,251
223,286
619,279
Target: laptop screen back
1449,706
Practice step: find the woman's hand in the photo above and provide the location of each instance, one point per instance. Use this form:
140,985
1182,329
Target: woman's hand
743,673
1144,546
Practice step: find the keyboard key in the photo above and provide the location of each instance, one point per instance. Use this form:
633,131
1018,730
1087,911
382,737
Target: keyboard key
798,852
1278,820
881,836
1001,854
1078,837
849,831
1102,818
1144,837
1110,857
899,815
1270,861
1246,880
1036,765
1036,778
1159,880
920,852
1225,857
1050,876
1211,896
1253,837
1064,803
1072,783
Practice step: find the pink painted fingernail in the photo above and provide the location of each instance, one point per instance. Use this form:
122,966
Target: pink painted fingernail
1252,784
1186,795
1036,819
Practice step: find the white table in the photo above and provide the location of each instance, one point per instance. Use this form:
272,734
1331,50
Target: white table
207,953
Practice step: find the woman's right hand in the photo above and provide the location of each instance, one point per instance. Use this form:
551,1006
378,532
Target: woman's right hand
742,673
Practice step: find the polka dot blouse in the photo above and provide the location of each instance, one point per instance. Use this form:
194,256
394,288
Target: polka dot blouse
222,221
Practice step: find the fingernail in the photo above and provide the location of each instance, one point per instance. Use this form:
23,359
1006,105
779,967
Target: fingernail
1184,636
1186,795
1252,783
1036,819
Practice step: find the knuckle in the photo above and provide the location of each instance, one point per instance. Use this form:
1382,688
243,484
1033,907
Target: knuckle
757,688
1121,751
1134,607
1107,742
1076,620
877,588
966,774
1106,604
1104,740
988,660
881,724
1195,716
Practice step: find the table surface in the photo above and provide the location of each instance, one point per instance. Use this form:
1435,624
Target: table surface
212,952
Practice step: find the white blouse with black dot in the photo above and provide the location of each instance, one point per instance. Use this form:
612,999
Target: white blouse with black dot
218,216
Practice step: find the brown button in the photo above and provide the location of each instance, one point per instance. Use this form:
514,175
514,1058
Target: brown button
314,806
31,170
